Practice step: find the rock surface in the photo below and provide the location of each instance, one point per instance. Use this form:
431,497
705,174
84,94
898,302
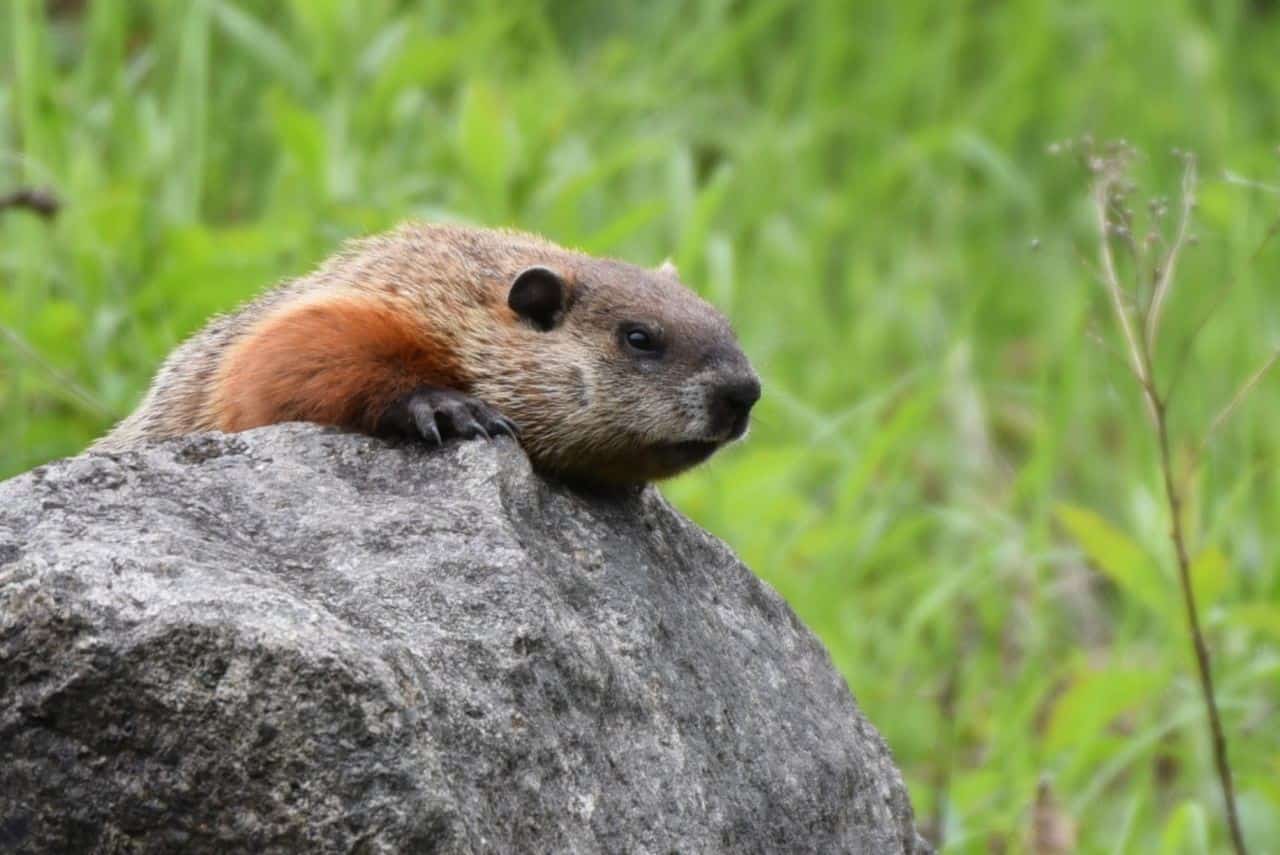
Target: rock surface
295,639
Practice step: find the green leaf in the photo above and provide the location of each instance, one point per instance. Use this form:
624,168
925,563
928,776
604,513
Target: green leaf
1094,700
263,44
1187,831
1264,617
1209,577
485,145
1119,558
301,136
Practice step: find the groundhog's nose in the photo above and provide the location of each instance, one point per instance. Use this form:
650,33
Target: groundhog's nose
741,394
732,402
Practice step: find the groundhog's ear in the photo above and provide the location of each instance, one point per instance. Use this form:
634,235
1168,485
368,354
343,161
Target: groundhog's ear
669,268
540,296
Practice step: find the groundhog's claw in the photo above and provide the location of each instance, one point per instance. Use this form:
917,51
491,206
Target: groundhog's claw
440,414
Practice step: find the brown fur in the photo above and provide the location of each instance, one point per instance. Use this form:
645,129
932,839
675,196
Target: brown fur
339,361
428,306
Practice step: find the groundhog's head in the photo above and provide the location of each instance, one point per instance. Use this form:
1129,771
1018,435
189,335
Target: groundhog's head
631,377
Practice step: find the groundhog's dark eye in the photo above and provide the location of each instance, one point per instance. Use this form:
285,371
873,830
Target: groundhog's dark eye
641,340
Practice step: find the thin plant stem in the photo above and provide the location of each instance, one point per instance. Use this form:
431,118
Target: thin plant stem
1170,266
1216,733
1111,280
78,391
1142,357
1236,400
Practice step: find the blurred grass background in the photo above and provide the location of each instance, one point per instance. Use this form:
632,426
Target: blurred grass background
949,480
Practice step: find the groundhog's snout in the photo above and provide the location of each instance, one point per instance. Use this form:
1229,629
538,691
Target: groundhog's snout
731,402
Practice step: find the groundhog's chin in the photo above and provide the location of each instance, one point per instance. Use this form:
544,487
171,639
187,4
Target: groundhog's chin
676,457
638,466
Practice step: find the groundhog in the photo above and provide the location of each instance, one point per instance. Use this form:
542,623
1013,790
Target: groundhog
604,371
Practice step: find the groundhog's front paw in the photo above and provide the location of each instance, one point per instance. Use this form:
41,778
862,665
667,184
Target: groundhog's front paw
438,414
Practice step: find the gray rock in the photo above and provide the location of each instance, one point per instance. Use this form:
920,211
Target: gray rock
296,639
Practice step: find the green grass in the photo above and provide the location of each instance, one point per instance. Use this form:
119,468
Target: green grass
948,479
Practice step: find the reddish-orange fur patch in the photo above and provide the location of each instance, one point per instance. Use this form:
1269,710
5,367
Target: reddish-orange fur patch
339,361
